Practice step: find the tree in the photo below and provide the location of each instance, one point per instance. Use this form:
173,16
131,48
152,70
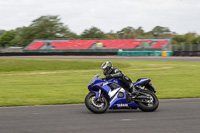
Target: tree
50,27
18,40
139,32
126,32
159,30
93,32
111,35
45,27
6,38
186,38
196,40
2,31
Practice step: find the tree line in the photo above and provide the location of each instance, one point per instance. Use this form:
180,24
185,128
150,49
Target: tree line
51,28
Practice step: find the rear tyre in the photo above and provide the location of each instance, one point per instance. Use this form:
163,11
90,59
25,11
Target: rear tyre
94,105
148,105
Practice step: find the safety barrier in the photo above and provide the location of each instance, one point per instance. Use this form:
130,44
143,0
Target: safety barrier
167,53
145,53
59,53
88,50
186,53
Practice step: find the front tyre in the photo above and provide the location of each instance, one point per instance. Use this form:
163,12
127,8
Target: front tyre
94,105
148,104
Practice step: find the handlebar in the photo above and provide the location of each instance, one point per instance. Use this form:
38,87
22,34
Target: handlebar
103,78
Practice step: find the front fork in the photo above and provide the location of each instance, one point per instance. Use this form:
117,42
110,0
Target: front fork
98,95
99,99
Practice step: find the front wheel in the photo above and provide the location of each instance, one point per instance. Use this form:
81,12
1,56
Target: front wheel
150,101
96,105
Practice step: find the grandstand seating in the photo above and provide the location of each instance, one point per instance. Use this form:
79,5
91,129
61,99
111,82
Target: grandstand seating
36,45
160,43
107,44
72,44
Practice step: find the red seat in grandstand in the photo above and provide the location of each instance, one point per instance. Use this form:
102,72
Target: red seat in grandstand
36,45
160,43
72,44
119,44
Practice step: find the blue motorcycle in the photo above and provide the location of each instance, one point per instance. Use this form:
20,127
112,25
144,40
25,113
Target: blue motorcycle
111,94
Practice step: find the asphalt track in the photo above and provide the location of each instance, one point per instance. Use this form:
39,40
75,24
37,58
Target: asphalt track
152,58
172,116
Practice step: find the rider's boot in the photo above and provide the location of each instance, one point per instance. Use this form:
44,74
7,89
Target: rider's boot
132,89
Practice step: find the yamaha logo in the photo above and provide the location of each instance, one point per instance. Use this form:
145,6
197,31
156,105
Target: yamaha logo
122,105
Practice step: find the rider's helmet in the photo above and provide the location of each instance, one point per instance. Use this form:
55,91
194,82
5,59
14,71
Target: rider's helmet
107,67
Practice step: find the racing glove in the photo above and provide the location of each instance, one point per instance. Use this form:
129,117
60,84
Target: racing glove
108,77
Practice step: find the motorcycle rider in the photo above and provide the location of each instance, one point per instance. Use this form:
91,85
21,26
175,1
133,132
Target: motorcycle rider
110,72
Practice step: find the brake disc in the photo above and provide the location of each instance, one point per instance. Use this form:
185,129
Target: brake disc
94,102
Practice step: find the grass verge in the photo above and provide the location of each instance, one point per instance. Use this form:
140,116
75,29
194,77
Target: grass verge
60,81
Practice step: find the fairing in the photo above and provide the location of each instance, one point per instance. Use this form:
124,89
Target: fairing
114,98
142,81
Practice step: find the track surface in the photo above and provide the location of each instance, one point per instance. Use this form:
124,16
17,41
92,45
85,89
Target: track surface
172,116
152,58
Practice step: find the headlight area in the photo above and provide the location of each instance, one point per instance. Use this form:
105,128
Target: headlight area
92,81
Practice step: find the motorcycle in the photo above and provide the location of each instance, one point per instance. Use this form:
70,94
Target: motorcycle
111,94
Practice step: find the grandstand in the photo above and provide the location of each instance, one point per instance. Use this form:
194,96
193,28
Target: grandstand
113,44
36,45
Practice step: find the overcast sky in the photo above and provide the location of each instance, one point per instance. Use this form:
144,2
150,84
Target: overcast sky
181,16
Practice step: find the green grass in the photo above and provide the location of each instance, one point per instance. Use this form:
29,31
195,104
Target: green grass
23,81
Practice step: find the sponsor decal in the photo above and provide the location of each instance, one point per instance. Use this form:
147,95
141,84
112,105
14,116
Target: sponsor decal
105,83
112,93
122,105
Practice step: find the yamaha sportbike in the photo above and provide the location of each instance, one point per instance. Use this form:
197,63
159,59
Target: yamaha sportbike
111,94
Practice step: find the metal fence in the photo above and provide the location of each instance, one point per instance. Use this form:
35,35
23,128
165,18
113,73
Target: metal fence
186,47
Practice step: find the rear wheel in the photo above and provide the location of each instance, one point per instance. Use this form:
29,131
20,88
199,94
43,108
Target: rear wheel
149,103
96,105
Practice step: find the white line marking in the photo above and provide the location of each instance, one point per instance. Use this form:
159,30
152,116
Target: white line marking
128,119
